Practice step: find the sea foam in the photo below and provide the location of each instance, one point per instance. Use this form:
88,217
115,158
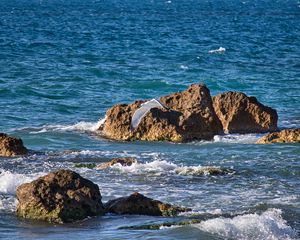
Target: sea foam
269,226
219,50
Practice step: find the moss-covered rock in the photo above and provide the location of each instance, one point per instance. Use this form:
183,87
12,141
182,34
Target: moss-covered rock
59,197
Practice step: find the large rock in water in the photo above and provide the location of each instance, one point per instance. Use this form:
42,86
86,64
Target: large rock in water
242,114
284,136
138,204
189,116
11,146
59,197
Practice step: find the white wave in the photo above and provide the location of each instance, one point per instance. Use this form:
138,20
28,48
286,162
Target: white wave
237,138
80,126
163,166
184,67
268,226
219,50
10,181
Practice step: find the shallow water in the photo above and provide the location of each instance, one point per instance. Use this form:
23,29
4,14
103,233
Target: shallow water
63,63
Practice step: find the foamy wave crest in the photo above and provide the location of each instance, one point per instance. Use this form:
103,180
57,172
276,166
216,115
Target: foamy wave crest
219,50
268,225
10,181
237,138
80,126
163,166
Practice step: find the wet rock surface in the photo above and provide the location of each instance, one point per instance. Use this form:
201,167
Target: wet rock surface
284,136
127,161
59,197
11,146
242,114
138,204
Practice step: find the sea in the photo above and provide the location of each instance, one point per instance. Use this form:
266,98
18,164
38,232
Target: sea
63,63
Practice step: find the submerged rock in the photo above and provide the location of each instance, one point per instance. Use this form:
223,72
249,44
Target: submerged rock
242,114
126,161
284,136
188,115
11,146
205,170
137,203
59,197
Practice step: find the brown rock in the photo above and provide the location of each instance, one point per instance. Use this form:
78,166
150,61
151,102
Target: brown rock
242,114
284,136
127,161
138,204
11,146
59,197
189,115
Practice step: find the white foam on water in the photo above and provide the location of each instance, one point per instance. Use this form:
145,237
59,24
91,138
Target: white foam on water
219,50
10,181
237,138
80,126
268,226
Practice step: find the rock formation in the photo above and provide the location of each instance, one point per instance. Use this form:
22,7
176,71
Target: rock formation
138,204
127,161
11,146
59,197
242,114
284,136
189,116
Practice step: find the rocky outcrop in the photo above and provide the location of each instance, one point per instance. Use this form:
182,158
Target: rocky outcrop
11,146
59,197
242,114
138,204
188,115
284,136
126,161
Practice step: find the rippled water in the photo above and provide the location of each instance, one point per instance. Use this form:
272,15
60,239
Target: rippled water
64,63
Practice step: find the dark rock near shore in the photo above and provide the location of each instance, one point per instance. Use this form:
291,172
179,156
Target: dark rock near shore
11,146
126,161
284,136
59,197
242,114
189,115
138,204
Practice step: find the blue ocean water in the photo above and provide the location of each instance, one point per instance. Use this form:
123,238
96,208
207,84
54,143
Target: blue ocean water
64,63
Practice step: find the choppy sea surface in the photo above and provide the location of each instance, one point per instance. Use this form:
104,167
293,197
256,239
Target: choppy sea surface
64,63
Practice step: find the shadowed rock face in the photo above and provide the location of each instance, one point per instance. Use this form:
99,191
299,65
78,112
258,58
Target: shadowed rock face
59,197
11,146
189,115
123,161
138,204
242,114
284,136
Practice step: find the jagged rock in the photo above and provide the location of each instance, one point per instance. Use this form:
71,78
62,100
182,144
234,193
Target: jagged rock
59,197
242,114
11,146
189,115
138,204
284,136
126,161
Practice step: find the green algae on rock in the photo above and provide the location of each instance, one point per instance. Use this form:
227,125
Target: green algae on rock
138,204
59,197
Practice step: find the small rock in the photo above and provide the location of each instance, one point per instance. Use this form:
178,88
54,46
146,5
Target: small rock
126,161
205,170
138,204
59,197
11,146
242,114
284,136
